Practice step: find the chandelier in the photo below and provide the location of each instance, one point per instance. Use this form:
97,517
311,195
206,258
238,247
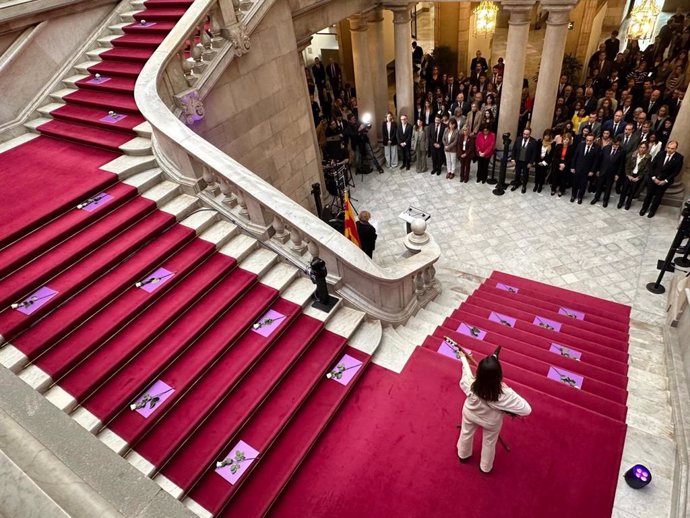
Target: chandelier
485,18
642,20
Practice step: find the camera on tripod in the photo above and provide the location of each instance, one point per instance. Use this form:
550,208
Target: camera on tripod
336,177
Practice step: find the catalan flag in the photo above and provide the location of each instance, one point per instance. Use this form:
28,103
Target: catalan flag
350,224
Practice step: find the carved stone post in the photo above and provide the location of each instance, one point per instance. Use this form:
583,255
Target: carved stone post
281,234
296,242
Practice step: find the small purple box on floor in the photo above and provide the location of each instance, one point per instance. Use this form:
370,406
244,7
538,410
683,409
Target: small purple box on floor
242,456
565,377
504,320
472,331
506,287
98,80
547,323
36,300
159,390
112,119
98,200
446,350
571,313
345,369
156,279
268,323
565,351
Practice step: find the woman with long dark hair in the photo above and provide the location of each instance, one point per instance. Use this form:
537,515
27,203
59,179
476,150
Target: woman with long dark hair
560,165
488,399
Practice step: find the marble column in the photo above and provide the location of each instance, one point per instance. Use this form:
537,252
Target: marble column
550,68
513,75
363,76
378,65
679,133
404,81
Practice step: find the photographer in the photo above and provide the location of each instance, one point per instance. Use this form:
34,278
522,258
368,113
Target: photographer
357,133
335,144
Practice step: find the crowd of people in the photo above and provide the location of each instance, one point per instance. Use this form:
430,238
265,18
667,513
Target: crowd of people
610,132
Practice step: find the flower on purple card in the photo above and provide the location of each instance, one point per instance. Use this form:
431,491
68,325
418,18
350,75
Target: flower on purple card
568,314
546,325
148,399
233,462
266,322
474,330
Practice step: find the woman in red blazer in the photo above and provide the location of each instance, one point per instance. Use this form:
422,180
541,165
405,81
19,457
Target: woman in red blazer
484,147
466,153
560,164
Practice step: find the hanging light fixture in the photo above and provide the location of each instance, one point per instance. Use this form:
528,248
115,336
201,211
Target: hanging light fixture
642,20
485,18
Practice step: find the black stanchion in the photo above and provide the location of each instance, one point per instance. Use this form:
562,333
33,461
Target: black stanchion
492,180
667,264
683,261
316,192
501,185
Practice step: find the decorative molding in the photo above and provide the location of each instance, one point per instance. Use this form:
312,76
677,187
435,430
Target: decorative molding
239,38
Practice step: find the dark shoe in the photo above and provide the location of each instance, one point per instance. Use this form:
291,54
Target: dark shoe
651,214
433,172
594,201
643,211
535,189
572,199
553,193
478,180
438,174
560,194
620,204
605,204
539,189
627,205
579,201
483,181
408,167
514,187
524,189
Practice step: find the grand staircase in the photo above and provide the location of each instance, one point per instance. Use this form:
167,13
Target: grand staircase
159,326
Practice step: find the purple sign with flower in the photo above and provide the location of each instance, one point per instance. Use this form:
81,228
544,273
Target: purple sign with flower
232,467
506,287
153,398
565,377
35,300
146,24
112,119
268,323
98,200
504,320
345,370
472,331
571,313
98,80
564,351
448,350
152,282
547,323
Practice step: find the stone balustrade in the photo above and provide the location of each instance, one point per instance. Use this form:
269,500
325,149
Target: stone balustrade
170,93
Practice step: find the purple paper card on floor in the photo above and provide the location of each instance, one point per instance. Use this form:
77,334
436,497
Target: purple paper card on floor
565,377
447,350
565,351
98,200
571,313
345,369
98,80
506,287
268,323
112,119
472,331
36,300
160,390
242,456
547,323
151,282
504,320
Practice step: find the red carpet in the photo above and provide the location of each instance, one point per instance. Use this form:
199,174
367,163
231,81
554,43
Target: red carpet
47,166
391,452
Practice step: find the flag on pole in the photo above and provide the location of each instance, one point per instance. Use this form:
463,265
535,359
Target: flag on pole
350,225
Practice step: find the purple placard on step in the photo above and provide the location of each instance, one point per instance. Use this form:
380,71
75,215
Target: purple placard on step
242,456
506,287
268,323
160,390
112,119
564,351
565,377
571,313
98,200
472,331
547,323
504,320
446,350
98,80
36,300
345,369
153,281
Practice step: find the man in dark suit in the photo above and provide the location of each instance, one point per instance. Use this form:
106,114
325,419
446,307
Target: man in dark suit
610,168
405,141
479,60
665,167
585,164
590,102
319,73
389,135
335,76
612,46
616,125
524,155
435,145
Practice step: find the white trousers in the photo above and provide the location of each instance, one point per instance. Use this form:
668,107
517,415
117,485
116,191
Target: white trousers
489,439
451,162
391,155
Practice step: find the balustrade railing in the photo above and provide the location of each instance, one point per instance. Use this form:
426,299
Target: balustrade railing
170,92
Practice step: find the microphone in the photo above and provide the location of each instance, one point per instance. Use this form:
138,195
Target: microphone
151,280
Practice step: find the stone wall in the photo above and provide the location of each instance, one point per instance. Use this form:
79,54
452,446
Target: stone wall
311,16
258,112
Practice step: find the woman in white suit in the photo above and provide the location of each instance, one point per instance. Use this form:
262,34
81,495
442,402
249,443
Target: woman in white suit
488,399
